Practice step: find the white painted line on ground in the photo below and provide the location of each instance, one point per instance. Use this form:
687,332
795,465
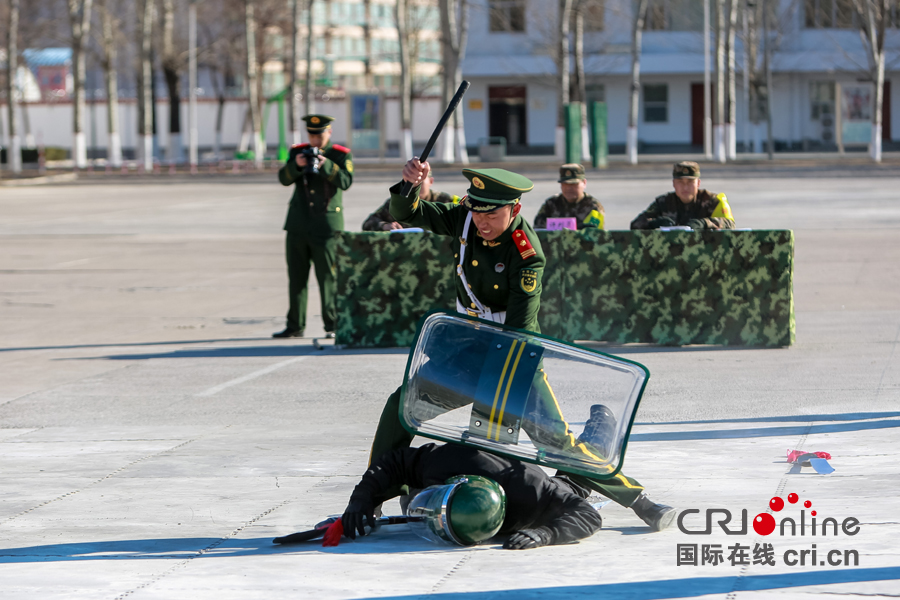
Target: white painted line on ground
249,376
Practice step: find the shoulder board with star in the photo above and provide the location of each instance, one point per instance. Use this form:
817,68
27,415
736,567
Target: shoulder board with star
340,148
522,244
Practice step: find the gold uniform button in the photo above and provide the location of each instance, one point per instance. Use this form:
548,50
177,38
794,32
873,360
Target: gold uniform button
456,256
338,209
474,263
496,287
312,191
472,304
470,285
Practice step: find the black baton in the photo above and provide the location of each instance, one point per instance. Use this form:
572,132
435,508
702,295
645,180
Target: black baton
457,98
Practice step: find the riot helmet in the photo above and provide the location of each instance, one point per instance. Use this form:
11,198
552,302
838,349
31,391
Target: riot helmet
465,510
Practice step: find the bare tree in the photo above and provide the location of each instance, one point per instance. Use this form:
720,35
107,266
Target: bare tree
80,23
296,25
454,35
309,90
719,127
562,74
172,67
145,87
631,140
873,17
14,152
731,117
109,62
252,83
579,85
401,18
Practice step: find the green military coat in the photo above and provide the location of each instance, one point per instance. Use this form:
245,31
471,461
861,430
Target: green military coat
712,209
588,212
316,208
505,273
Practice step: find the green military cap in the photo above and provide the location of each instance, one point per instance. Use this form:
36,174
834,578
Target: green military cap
686,169
492,188
571,173
317,123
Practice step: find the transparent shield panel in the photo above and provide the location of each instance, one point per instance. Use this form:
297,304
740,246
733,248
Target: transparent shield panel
520,394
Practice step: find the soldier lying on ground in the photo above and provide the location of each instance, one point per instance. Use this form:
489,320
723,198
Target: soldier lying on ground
687,205
529,506
499,268
382,220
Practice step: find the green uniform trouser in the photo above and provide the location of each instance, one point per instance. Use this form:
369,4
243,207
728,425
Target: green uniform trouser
391,435
300,250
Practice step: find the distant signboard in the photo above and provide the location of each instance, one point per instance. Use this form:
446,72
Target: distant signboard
555,223
857,105
365,115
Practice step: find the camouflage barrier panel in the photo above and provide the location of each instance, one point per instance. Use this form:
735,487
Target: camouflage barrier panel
672,288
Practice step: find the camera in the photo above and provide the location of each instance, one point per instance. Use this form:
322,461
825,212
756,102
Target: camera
311,154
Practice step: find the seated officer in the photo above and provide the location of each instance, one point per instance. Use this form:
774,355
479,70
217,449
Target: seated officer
572,202
381,219
506,496
687,205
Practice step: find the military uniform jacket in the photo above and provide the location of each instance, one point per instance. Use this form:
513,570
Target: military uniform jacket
504,274
383,215
712,209
588,212
533,498
318,213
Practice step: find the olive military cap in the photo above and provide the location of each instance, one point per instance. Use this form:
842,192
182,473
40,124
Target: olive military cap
686,169
492,188
571,173
317,123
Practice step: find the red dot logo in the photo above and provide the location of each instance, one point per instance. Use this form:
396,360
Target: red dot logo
792,498
764,523
813,513
807,504
776,504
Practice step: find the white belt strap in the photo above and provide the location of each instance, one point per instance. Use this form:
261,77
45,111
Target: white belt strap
480,309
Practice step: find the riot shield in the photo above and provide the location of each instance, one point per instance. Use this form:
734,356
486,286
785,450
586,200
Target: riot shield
520,394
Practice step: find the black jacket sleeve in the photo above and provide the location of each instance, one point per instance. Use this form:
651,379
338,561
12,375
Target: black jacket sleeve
391,470
569,518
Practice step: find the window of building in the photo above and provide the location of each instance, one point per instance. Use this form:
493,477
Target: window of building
829,14
821,99
677,15
507,15
592,12
656,103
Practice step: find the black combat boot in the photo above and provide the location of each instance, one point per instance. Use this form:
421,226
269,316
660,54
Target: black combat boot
657,516
600,430
288,333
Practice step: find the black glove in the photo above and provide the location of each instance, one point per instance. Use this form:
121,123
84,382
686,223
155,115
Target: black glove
529,538
356,516
697,224
661,222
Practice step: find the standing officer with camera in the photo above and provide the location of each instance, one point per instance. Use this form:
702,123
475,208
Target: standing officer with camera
319,171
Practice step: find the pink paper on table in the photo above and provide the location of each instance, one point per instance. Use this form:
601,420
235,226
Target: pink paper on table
556,223
793,455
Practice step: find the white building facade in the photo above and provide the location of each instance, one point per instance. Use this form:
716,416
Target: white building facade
817,60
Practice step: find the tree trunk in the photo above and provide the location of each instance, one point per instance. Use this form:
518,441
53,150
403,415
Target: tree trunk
146,129
110,77
194,131
309,90
767,60
462,153
731,128
171,65
631,141
562,72
252,83
80,21
296,24
14,152
719,128
401,17
580,86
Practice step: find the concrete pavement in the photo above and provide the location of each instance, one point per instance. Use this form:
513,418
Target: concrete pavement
154,438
